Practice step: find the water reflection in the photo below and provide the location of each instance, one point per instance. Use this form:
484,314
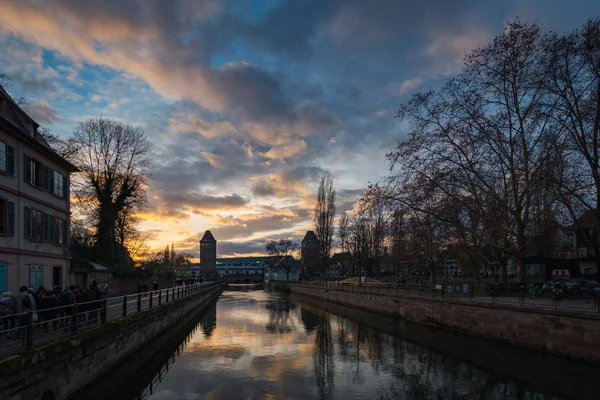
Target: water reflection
323,355
266,347
279,316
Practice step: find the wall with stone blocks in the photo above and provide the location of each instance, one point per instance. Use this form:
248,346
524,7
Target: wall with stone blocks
571,334
68,364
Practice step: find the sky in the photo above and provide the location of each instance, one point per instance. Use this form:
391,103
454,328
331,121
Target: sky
249,103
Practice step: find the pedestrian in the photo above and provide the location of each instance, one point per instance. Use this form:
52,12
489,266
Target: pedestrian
47,305
94,297
24,302
155,287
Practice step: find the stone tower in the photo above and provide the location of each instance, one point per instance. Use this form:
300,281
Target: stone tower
309,254
208,255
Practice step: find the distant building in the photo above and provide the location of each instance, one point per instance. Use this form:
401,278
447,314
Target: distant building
34,204
309,255
208,255
340,265
586,242
286,269
234,266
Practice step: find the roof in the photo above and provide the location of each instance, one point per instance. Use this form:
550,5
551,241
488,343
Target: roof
208,237
310,237
33,138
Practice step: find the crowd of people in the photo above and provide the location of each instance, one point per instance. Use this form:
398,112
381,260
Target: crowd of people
52,307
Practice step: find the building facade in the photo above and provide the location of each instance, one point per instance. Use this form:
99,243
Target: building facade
234,266
286,269
34,204
208,255
309,254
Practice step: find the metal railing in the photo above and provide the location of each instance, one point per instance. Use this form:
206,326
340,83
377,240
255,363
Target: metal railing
467,292
25,331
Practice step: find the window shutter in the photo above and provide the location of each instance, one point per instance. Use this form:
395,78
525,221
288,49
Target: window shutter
46,184
65,232
45,230
10,218
27,222
50,180
65,182
26,168
10,160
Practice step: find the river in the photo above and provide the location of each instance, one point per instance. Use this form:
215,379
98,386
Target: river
262,345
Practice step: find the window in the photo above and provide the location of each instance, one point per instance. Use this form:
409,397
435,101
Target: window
33,171
7,217
54,229
3,277
36,276
34,225
59,183
7,158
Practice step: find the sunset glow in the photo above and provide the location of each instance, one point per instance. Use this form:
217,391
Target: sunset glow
247,103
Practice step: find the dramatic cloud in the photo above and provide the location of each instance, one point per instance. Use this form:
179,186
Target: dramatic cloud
43,113
248,103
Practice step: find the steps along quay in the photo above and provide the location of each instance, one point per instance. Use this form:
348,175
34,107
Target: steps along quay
569,327
54,359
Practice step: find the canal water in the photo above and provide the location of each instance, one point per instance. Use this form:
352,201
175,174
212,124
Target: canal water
263,345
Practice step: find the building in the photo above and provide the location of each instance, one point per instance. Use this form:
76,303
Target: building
310,254
234,266
586,243
286,269
34,204
208,255
340,266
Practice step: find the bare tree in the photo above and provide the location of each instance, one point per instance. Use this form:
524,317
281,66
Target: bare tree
323,218
282,252
343,231
573,61
113,159
483,138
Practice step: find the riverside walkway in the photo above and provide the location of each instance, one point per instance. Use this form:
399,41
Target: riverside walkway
80,317
465,292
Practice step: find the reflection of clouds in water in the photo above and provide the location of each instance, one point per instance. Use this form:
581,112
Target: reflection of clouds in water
266,347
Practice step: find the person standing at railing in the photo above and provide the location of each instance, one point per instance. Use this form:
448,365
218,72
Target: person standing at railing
94,298
155,287
24,302
7,309
68,300
47,305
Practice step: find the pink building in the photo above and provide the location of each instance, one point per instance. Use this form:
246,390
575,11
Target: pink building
34,204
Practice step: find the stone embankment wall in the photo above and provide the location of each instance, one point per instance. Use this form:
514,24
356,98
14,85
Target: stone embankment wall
64,366
570,334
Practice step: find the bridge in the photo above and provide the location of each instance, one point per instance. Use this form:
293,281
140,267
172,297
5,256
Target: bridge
244,278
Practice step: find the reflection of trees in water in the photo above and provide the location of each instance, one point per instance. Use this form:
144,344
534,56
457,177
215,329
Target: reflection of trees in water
310,320
407,371
323,356
424,374
279,316
416,372
209,321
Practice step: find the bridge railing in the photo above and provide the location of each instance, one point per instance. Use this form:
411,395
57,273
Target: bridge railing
25,331
467,292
